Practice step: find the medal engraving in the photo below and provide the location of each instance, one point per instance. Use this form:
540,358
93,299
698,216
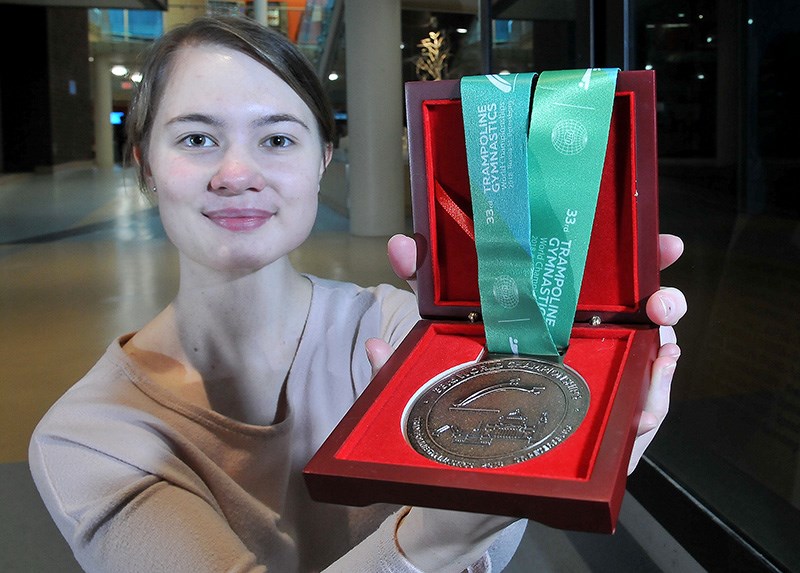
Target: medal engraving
496,413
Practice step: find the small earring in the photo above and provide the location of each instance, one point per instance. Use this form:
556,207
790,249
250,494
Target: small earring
154,189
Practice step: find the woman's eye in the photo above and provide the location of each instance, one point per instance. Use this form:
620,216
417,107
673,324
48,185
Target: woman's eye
278,141
198,140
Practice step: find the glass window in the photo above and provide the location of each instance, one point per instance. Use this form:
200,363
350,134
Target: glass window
729,168
140,24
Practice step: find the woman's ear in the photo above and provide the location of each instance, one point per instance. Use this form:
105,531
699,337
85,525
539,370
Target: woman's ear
140,162
327,154
144,169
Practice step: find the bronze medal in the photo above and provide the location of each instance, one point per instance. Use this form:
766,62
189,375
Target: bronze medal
496,413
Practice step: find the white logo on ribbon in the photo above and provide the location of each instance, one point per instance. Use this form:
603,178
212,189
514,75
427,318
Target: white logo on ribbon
505,291
500,83
587,77
569,137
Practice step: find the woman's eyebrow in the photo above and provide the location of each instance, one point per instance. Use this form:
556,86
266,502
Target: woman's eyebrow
196,118
259,122
279,118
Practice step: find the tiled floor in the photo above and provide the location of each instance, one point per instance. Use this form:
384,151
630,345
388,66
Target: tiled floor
83,259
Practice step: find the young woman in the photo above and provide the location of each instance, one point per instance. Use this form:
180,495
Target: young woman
182,449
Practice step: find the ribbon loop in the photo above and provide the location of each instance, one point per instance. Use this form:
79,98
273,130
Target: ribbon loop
534,188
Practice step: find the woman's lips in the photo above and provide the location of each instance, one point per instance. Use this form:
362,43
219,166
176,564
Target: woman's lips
239,219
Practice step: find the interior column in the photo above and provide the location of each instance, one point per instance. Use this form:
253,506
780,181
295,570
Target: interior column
103,131
374,117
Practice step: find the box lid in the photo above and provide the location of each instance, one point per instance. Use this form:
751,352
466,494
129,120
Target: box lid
622,268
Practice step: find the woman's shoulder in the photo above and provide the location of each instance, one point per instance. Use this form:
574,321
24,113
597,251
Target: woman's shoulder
96,419
107,370
346,311
390,309
93,404
341,292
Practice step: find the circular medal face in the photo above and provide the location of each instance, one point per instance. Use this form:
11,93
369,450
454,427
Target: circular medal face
496,413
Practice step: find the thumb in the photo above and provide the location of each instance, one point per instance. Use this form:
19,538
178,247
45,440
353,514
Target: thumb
378,352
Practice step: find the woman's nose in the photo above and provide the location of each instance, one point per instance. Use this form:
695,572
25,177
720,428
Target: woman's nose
237,174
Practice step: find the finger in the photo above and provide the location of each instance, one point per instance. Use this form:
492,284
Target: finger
670,249
667,306
402,252
669,348
378,352
657,403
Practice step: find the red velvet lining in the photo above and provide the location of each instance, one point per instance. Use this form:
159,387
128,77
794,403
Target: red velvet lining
598,354
611,277
452,250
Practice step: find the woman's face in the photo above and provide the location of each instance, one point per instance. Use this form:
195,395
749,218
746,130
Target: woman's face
236,157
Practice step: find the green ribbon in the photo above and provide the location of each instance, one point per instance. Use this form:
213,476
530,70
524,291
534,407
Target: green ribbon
534,198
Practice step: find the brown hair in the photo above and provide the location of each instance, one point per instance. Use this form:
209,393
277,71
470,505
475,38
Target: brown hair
245,35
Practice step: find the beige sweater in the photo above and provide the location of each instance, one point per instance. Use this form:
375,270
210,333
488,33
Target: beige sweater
140,481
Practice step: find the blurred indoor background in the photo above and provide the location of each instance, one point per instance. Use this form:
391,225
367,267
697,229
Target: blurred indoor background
83,257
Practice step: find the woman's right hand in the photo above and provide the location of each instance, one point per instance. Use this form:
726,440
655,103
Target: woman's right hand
441,540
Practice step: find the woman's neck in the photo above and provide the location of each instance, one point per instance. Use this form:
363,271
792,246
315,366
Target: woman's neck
241,307
231,340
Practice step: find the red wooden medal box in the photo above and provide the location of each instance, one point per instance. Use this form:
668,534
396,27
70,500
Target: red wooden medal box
578,485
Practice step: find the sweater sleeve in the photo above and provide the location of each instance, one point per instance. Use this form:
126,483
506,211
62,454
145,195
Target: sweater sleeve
133,521
379,553
399,313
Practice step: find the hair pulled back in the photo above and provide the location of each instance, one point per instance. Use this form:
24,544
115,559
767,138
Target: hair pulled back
272,49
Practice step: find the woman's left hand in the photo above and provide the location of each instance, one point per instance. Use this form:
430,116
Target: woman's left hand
665,308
